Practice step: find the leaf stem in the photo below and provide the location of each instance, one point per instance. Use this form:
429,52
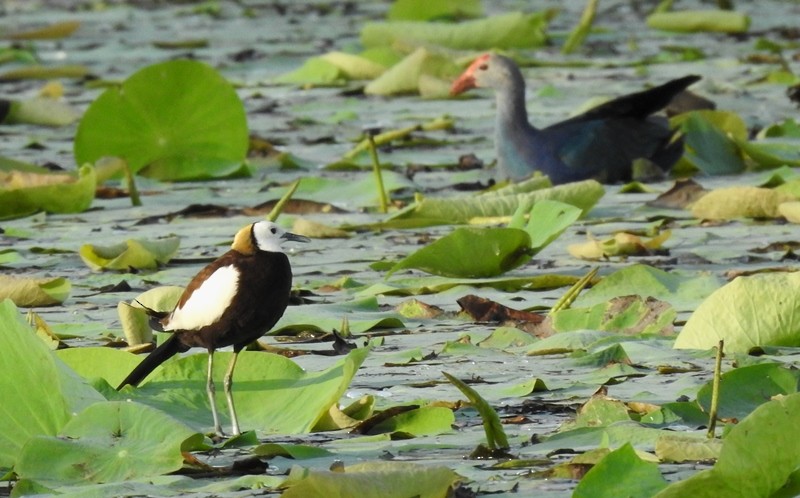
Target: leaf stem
376,168
569,297
712,412
277,208
133,192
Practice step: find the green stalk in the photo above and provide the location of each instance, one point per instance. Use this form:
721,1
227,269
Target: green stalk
580,32
441,123
376,168
133,192
276,210
569,297
712,412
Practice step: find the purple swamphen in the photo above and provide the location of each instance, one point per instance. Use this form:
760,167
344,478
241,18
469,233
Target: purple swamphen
601,143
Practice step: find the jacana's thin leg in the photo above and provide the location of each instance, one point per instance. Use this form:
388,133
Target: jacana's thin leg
228,384
212,396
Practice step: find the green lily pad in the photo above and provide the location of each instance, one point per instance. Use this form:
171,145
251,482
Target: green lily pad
744,389
759,310
175,120
23,192
621,473
111,441
272,393
29,292
471,252
629,315
772,153
683,291
419,422
710,139
362,315
40,393
758,456
136,254
513,30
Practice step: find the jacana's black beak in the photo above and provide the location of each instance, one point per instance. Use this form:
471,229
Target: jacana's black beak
295,237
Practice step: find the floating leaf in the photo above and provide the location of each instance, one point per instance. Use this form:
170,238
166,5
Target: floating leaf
692,21
43,111
40,393
176,120
760,310
461,209
757,458
314,71
52,32
362,315
772,153
45,73
625,315
547,220
710,137
740,202
138,254
426,420
23,193
404,77
683,291
272,393
620,473
28,292
621,244
744,389
471,252
135,322
790,211
427,10
513,30
372,480
111,441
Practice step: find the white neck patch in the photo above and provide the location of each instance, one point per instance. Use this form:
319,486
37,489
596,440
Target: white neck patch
208,302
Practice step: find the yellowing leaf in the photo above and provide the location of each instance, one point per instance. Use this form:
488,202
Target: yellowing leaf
52,32
790,211
133,253
44,111
23,193
621,244
404,77
29,292
740,202
316,230
690,21
353,66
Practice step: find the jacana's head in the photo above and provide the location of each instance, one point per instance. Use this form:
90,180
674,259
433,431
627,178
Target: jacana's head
487,71
263,236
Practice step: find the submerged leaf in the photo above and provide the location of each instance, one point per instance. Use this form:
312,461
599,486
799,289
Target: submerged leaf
175,120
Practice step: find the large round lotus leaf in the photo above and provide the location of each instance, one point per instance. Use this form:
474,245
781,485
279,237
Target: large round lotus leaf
176,120
762,310
110,441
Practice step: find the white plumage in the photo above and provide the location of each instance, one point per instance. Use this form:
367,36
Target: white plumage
208,302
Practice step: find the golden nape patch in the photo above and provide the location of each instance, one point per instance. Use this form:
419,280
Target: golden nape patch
243,241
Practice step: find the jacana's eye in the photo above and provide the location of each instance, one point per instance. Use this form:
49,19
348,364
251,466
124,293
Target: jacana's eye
273,230
483,67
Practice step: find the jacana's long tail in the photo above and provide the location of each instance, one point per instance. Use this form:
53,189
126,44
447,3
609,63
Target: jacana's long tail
167,350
